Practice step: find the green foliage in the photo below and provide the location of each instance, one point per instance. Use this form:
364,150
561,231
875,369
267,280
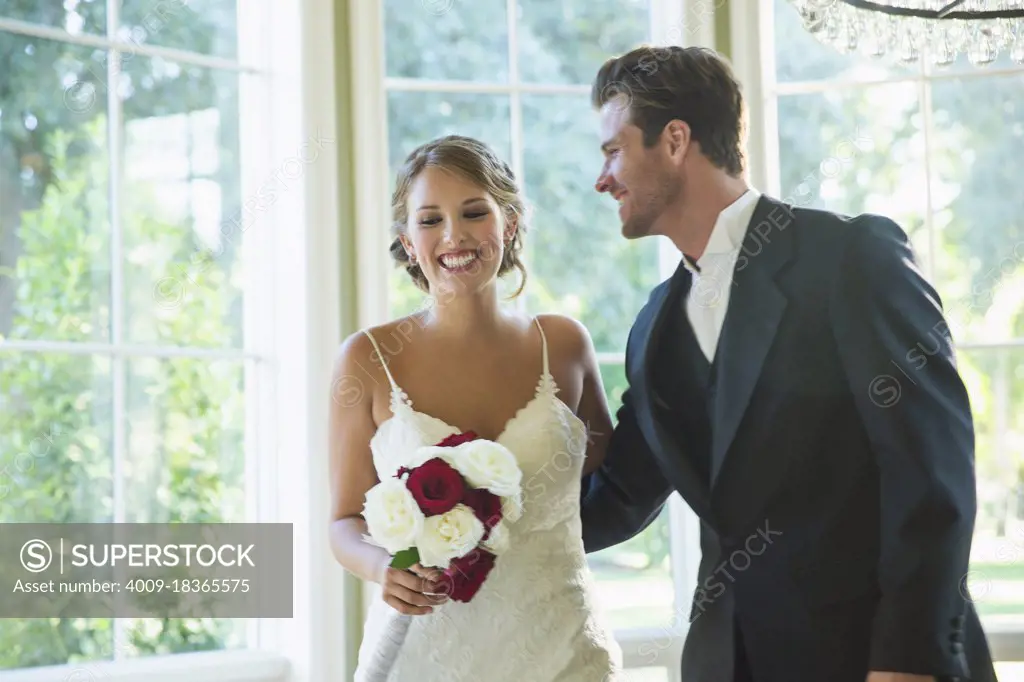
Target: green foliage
184,460
55,426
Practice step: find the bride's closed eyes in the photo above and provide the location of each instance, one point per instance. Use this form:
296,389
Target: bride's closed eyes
471,215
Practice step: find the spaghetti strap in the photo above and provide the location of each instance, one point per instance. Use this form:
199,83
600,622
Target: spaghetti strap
383,363
544,348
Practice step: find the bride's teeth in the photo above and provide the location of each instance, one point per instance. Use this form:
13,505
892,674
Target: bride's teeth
458,261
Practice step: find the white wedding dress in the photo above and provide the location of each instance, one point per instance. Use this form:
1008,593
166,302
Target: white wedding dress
535,617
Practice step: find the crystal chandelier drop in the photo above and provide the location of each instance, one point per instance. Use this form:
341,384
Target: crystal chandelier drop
905,29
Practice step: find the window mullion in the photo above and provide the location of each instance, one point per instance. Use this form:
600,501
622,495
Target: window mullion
115,119
925,102
515,108
26,28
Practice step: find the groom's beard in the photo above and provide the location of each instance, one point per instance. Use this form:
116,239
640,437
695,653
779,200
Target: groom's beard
647,208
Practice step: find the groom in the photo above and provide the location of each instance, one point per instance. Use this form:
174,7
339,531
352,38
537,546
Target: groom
771,385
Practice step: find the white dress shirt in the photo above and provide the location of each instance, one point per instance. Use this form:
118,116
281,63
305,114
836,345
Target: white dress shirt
708,299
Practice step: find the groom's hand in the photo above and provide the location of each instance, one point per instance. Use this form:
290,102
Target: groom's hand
875,676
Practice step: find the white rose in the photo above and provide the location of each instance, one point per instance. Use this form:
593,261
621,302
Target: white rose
497,542
392,515
446,536
486,464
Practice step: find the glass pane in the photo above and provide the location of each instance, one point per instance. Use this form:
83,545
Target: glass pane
634,579
566,42
610,277
28,643
83,16
418,117
613,376
446,40
183,213
54,217
162,636
415,118
55,467
185,461
977,160
403,296
55,438
800,56
206,26
859,150
995,382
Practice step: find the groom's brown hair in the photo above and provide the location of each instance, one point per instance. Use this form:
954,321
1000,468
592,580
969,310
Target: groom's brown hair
695,85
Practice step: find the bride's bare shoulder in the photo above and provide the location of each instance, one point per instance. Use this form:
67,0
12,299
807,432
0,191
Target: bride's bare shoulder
359,352
567,337
386,335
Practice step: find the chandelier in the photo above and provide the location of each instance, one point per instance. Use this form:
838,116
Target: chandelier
907,29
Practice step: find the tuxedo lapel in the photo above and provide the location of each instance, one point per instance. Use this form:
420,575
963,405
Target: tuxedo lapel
755,308
687,480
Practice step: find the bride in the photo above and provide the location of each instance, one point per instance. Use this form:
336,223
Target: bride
464,364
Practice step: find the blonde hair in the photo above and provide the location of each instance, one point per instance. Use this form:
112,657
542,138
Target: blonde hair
477,163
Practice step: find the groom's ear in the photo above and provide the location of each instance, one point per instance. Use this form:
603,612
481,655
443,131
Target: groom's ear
677,134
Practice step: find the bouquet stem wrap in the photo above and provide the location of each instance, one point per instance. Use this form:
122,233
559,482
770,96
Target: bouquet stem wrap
393,636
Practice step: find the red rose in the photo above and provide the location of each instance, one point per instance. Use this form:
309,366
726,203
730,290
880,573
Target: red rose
435,486
487,507
457,439
465,575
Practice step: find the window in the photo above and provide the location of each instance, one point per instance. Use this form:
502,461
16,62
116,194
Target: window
135,232
939,151
517,75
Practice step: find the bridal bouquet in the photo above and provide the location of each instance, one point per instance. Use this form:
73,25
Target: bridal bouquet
446,508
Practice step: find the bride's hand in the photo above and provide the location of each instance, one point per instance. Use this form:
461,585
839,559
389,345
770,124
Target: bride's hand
413,592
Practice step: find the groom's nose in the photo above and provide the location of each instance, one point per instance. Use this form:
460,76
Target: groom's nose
603,183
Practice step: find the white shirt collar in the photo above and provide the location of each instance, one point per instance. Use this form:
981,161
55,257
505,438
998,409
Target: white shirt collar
730,228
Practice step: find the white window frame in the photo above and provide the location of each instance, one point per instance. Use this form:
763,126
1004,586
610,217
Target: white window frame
672,22
290,48
752,38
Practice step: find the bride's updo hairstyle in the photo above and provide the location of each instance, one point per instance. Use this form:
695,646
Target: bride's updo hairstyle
477,163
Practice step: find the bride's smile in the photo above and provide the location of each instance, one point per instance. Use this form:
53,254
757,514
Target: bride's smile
458,261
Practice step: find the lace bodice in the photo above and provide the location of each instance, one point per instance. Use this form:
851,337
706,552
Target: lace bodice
535,617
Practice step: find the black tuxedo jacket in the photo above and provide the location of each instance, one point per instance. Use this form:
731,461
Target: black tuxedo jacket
836,528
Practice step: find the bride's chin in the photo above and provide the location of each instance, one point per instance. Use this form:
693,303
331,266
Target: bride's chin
460,287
